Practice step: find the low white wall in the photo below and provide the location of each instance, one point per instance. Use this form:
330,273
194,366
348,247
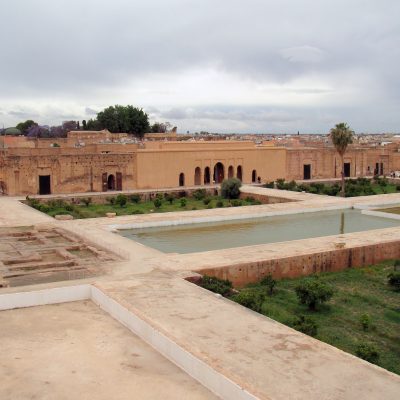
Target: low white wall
9,301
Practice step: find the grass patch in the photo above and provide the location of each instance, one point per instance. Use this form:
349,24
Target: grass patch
134,206
363,310
353,187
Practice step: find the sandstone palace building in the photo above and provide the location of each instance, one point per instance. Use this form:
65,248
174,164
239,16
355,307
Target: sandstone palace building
92,161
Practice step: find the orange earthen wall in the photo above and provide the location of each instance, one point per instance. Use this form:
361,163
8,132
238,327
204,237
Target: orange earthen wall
292,267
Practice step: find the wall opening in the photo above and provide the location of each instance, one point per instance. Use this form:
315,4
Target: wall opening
254,176
346,169
197,176
219,173
307,171
230,172
44,184
111,182
239,172
207,178
181,179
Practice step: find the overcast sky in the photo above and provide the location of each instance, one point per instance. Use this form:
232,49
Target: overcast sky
213,65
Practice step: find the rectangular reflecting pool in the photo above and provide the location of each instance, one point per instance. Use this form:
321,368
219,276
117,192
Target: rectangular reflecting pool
222,235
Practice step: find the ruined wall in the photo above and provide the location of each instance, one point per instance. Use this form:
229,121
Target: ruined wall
325,162
68,172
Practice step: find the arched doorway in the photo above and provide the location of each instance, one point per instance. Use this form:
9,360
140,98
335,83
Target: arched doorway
197,176
230,172
239,172
181,179
207,175
111,182
254,176
219,173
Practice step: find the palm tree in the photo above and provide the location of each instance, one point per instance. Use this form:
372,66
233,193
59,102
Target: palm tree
341,136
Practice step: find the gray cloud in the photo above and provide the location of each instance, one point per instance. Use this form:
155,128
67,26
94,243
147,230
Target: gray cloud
75,53
90,111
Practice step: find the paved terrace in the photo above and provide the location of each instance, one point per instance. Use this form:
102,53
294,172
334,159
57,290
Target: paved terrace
267,359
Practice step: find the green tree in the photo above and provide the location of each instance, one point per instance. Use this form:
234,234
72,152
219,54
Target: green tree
313,292
93,125
230,188
341,136
126,119
24,126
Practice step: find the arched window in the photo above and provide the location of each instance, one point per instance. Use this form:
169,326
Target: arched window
219,173
111,182
254,176
181,179
207,175
230,172
197,176
239,172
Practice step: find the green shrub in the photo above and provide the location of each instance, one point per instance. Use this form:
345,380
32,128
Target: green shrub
111,200
367,352
269,282
220,204
230,188
206,201
251,299
43,208
270,185
56,204
170,198
157,202
87,201
209,206
313,292
394,280
236,203
280,184
69,207
306,325
291,185
365,321
159,196
199,194
216,285
183,202
250,199
121,200
135,198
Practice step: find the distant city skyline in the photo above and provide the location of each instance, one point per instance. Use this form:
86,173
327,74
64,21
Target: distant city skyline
228,66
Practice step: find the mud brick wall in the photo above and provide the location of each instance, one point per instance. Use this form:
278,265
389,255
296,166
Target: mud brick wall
302,265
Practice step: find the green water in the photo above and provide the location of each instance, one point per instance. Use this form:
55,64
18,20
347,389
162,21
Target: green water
221,235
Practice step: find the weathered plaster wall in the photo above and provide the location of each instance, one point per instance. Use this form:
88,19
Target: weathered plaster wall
302,265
